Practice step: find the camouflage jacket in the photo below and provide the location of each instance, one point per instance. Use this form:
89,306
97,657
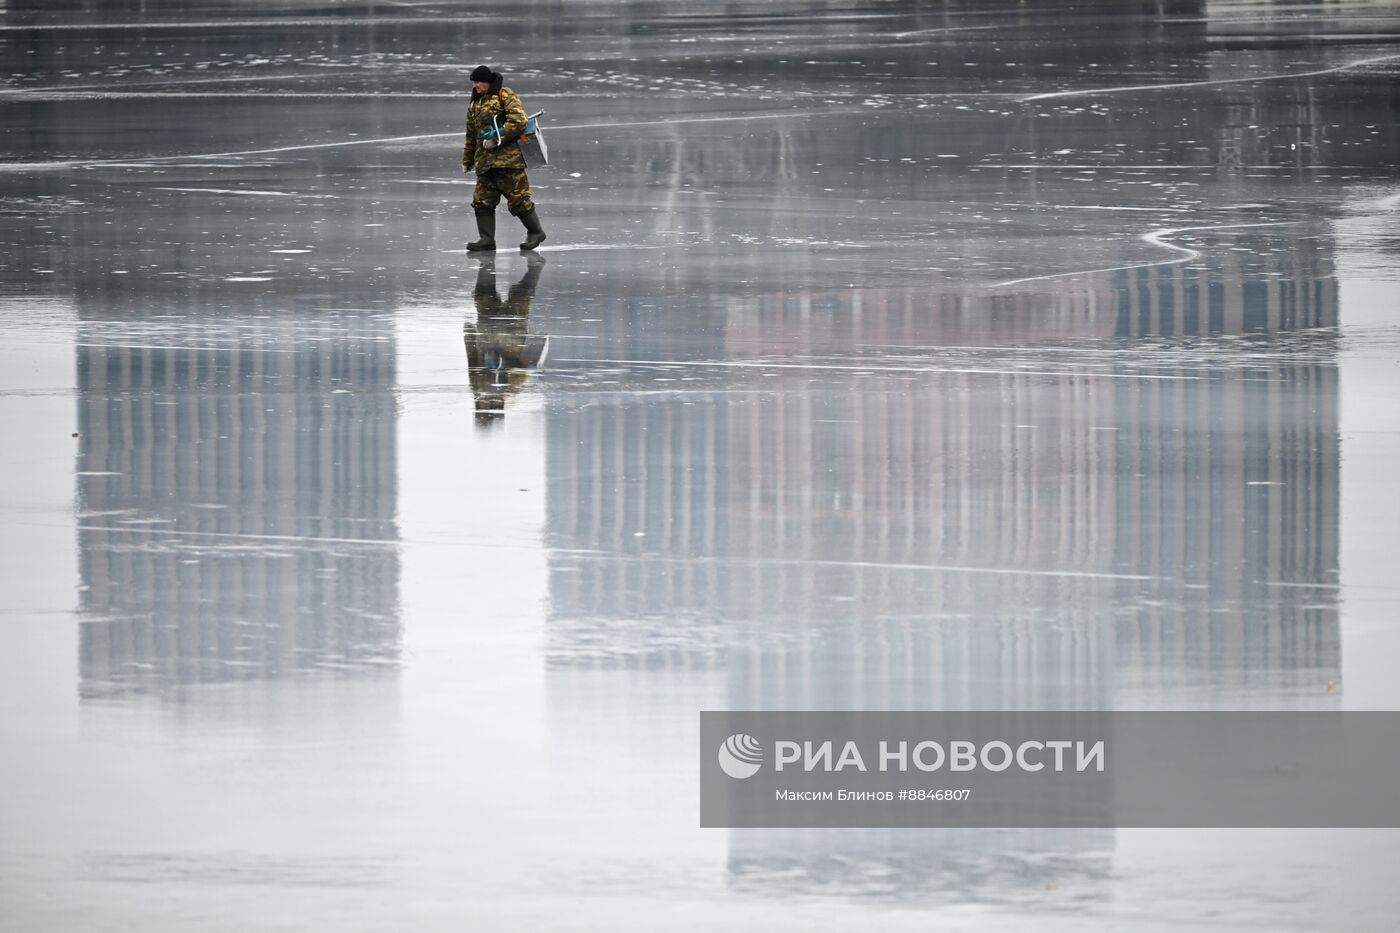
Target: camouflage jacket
502,101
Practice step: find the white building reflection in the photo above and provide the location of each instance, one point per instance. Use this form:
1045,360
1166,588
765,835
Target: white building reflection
1090,509
236,508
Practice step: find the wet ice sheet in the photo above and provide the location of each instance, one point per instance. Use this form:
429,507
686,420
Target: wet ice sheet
922,389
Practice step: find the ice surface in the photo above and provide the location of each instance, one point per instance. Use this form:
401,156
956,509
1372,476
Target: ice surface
1021,356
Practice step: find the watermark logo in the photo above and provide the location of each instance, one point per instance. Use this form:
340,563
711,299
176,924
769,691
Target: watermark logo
741,756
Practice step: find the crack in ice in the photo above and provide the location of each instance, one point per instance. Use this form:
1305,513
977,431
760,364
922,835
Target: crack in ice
1156,238
1088,92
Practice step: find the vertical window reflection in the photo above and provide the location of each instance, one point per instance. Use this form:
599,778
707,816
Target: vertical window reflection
237,496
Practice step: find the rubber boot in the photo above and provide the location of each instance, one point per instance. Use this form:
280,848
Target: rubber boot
532,227
486,226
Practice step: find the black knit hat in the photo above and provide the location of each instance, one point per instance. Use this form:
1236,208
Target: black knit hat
482,73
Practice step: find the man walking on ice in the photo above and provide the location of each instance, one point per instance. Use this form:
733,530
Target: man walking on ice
495,121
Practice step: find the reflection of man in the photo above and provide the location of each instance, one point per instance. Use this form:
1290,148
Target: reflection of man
500,354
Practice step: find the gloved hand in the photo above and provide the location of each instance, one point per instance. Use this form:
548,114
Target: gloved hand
491,143
468,168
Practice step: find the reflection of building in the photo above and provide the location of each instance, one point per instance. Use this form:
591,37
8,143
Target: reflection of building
645,491
812,508
237,496
983,866
1107,514
1312,121
1254,288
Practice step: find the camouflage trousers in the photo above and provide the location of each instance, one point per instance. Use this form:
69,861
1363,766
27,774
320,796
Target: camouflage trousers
513,183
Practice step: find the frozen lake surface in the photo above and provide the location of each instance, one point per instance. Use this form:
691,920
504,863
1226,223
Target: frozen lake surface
893,356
